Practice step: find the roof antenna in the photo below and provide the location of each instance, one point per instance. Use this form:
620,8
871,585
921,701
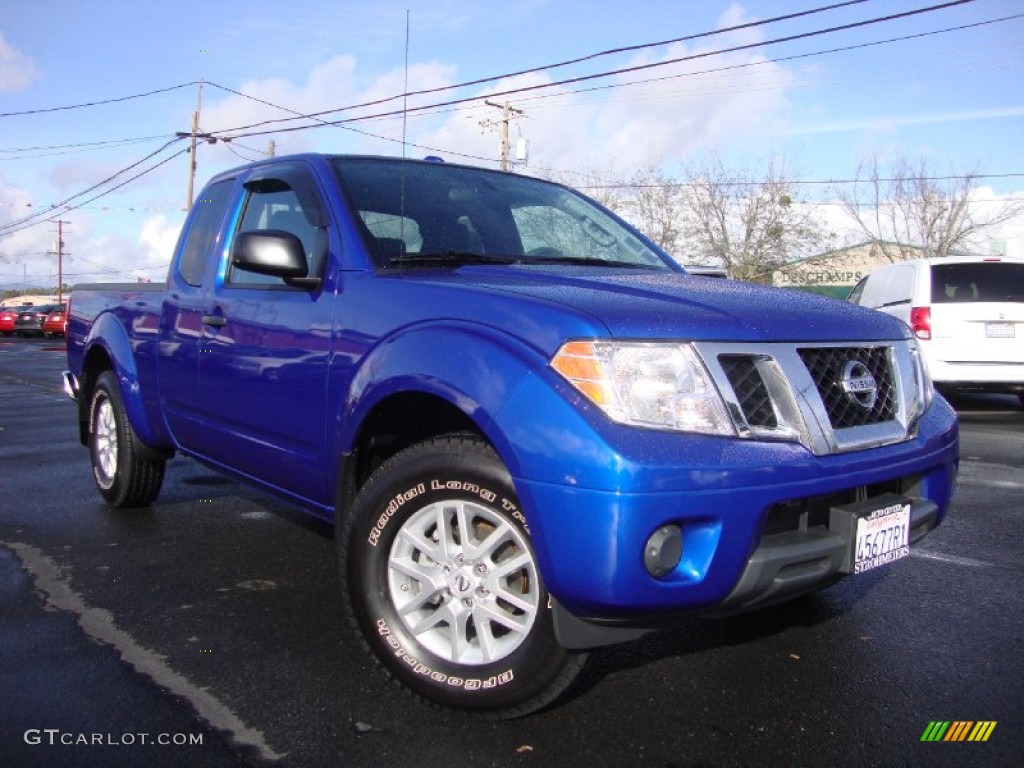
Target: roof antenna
405,120
405,92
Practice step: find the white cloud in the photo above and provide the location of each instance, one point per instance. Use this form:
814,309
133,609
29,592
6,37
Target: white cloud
648,116
17,71
28,256
652,115
22,254
158,237
335,83
116,257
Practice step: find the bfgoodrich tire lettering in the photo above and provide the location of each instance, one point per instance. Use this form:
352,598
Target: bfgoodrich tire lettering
441,581
123,477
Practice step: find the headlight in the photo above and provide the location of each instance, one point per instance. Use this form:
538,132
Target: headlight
923,380
659,385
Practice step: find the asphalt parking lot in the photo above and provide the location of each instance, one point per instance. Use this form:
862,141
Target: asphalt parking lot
205,631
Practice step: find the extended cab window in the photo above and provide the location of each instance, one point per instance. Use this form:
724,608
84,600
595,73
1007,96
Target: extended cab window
202,233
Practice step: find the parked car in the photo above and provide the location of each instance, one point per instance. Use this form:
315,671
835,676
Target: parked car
7,317
29,321
56,323
967,313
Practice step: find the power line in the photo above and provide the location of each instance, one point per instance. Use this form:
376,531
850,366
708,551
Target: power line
644,185
61,208
546,67
97,103
130,140
588,57
16,226
429,110
12,224
568,81
781,59
347,127
69,149
760,63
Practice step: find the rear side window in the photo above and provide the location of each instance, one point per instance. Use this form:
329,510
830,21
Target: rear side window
202,231
984,281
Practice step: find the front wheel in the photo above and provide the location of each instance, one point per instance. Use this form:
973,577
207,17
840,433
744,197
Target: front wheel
123,476
441,580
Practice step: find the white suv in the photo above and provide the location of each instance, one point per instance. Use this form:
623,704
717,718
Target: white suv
967,313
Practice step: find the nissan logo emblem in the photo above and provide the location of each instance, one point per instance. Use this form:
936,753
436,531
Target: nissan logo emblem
859,385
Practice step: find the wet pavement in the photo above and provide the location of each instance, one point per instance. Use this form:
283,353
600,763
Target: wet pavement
211,622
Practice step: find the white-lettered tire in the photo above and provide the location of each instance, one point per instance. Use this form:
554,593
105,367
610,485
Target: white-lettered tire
441,581
123,476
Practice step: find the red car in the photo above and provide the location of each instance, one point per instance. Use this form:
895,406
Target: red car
56,323
7,317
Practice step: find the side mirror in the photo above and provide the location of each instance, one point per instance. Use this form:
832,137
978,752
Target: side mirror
273,252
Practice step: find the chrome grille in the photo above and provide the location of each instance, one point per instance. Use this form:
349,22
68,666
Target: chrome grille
829,397
828,367
750,389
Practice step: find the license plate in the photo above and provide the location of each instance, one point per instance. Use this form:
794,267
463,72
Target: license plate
882,536
1000,331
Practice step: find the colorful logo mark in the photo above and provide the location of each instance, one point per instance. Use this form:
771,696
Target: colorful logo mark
958,730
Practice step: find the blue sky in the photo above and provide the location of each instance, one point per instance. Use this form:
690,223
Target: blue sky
955,98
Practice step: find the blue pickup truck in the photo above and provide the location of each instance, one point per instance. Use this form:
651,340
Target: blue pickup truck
534,432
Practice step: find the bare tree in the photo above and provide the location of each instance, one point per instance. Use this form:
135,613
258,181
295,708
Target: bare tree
652,202
910,212
752,223
604,185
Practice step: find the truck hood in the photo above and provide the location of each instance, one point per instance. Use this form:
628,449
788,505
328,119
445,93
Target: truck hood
661,305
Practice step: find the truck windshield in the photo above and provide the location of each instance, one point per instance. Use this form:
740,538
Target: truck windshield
416,212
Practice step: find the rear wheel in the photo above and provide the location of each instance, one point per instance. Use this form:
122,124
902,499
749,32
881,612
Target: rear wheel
442,582
123,476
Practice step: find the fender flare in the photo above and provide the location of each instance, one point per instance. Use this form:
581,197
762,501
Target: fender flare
109,335
472,367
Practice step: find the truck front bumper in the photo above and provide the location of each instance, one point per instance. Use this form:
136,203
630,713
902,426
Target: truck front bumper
767,526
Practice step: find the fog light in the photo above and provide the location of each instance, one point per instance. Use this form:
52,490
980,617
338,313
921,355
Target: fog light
663,551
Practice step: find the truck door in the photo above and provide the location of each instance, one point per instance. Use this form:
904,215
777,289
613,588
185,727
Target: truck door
181,319
266,345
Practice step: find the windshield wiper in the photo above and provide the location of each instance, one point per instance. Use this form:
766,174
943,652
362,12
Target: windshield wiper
451,257
586,262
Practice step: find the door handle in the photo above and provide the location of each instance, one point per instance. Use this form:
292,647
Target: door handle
217,321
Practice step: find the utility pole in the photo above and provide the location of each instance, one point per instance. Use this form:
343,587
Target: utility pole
508,113
195,134
192,151
271,149
59,253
